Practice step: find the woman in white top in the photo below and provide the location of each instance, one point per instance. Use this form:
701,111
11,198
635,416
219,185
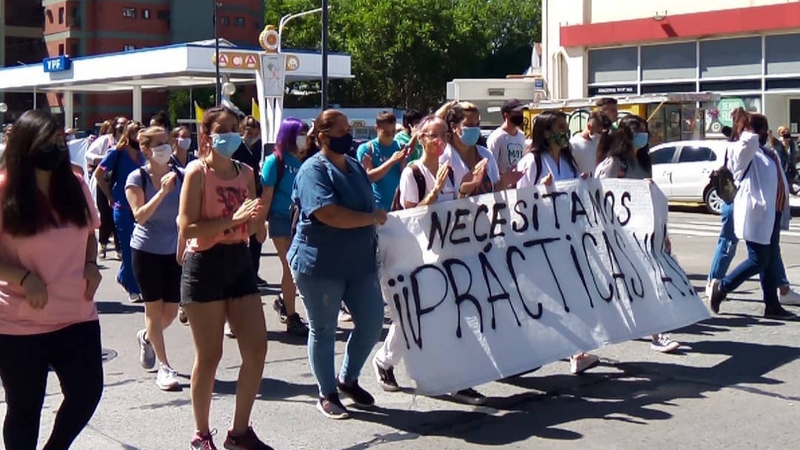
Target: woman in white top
474,167
436,189
761,200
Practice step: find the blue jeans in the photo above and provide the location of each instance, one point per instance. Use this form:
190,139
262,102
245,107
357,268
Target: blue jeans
726,249
123,223
764,260
322,298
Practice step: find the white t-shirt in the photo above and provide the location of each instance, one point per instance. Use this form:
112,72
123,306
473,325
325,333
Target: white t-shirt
560,171
409,191
506,148
585,152
460,168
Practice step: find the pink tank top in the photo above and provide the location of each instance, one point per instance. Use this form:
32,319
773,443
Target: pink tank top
222,198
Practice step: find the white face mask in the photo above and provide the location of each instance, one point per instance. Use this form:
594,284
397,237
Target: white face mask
161,154
183,143
301,142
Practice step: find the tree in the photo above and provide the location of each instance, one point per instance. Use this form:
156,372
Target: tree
403,52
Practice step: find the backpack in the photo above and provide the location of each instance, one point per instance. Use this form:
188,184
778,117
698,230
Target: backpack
419,178
722,180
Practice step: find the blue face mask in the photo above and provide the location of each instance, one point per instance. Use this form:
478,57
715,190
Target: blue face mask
640,140
226,144
470,135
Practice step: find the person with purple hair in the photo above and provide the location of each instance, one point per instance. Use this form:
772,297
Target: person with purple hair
277,179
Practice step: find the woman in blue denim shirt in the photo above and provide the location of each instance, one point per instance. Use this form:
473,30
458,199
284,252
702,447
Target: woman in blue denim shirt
333,259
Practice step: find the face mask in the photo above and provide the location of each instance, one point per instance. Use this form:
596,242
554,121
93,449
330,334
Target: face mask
786,136
517,120
470,135
341,144
560,139
640,140
226,144
183,143
300,142
161,154
50,157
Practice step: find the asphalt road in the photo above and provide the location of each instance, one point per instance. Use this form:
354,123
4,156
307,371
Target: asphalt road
734,385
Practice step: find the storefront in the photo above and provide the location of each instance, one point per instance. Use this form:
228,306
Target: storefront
748,55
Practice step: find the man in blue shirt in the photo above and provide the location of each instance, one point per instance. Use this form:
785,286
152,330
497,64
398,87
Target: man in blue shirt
384,160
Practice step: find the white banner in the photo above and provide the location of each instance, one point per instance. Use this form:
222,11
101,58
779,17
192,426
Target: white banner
497,285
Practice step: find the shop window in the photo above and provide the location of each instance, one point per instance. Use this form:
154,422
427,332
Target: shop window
781,54
613,65
669,61
672,122
718,114
129,13
730,57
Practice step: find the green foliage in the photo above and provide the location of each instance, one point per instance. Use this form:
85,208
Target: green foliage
405,51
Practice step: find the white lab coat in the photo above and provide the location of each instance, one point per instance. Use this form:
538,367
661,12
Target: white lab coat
754,205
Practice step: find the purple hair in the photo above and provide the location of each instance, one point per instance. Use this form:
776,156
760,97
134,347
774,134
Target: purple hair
287,134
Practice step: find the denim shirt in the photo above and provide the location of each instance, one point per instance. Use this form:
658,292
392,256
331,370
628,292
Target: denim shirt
319,249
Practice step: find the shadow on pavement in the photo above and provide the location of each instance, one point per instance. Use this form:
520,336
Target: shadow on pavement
271,389
635,396
108,307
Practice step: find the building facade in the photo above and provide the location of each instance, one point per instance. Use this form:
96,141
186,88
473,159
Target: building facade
746,50
89,27
21,28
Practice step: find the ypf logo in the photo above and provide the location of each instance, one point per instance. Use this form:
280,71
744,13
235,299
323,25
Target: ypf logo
269,39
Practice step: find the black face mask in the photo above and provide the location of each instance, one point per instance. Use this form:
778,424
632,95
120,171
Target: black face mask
517,120
48,158
786,136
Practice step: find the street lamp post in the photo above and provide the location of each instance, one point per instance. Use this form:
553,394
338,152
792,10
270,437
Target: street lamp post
324,89
218,86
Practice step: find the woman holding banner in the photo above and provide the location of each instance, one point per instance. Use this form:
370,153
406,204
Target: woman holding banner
333,258
625,154
422,183
550,159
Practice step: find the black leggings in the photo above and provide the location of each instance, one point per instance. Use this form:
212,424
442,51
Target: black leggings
76,357
107,228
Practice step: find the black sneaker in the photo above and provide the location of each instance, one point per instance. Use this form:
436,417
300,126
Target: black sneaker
469,396
717,296
779,313
331,407
295,326
356,393
280,308
385,377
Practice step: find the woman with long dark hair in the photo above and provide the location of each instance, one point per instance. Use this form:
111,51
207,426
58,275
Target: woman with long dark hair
218,212
48,278
118,164
623,153
277,179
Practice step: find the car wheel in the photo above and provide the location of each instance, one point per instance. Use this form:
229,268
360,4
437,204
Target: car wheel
713,201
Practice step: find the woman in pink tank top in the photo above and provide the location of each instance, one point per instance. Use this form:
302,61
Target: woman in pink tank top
218,212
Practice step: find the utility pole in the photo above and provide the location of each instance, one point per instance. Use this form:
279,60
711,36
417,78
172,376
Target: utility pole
217,94
325,22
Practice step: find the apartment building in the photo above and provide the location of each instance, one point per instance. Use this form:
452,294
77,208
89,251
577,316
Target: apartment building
90,27
21,28
746,50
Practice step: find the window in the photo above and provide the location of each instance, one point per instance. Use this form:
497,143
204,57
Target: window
129,12
49,14
61,15
146,14
60,49
73,50
163,14
226,21
128,48
663,155
239,21
74,17
696,154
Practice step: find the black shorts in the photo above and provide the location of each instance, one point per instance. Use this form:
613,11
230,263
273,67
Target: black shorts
223,272
158,276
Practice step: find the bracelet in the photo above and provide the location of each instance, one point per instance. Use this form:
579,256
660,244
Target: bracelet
24,277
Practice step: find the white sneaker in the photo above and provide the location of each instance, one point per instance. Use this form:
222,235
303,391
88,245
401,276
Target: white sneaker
708,289
147,356
228,331
135,298
791,298
167,379
664,344
582,362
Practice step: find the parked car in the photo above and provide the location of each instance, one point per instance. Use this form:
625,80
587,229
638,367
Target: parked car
681,170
